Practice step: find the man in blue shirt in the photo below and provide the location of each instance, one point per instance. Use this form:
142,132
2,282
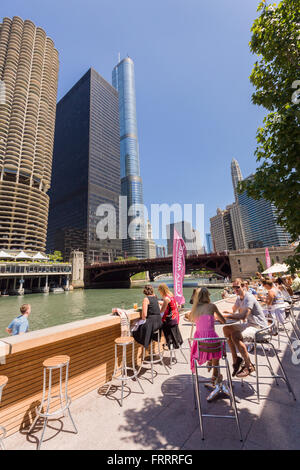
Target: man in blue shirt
20,324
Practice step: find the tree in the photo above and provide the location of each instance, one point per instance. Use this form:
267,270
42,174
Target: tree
276,78
56,256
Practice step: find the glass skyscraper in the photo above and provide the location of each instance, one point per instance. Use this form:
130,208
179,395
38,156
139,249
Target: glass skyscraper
131,183
86,169
259,222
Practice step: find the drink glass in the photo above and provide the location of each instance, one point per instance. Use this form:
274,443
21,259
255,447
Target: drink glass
135,306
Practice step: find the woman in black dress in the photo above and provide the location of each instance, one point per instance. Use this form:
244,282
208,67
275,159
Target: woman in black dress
151,313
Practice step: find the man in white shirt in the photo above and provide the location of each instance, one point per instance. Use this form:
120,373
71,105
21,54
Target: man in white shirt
249,310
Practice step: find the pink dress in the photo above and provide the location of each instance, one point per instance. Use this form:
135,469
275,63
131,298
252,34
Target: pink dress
205,328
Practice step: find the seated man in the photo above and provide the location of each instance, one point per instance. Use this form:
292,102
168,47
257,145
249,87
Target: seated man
251,312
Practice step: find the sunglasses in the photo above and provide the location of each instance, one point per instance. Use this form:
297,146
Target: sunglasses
236,287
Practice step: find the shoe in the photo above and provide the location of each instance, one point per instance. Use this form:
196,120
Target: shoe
236,366
245,371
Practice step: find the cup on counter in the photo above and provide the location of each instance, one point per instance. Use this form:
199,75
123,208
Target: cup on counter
135,306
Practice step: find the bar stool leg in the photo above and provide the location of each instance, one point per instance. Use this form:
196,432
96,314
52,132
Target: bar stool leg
134,369
115,369
284,374
66,397
198,400
124,372
151,358
233,402
256,371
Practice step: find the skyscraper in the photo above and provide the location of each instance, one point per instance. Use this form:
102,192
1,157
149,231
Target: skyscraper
131,182
259,222
86,168
191,237
236,176
221,231
29,72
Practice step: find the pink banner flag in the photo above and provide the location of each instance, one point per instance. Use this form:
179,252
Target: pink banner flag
179,253
268,259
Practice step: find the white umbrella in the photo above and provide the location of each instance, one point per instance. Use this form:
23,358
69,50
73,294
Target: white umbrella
3,254
276,268
22,255
40,256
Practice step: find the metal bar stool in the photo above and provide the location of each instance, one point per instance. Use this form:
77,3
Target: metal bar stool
3,382
123,342
261,338
173,353
60,363
213,345
152,355
284,317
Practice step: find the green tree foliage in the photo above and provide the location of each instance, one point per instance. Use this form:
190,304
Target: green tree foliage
276,78
56,256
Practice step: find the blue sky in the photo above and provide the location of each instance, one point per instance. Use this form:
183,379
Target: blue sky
192,67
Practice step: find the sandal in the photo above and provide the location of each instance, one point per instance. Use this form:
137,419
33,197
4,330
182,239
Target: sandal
245,371
236,366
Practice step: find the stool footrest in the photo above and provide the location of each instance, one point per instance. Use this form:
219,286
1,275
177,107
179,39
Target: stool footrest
54,413
133,376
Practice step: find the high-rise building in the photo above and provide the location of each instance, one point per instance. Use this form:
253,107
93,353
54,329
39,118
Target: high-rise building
209,245
237,226
221,231
236,176
28,74
190,236
86,169
259,222
160,251
131,182
150,243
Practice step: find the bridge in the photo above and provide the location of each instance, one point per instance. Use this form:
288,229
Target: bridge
117,274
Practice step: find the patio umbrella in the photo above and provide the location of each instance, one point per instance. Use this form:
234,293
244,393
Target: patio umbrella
4,255
276,268
39,256
23,255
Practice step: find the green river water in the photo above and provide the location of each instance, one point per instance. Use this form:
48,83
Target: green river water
55,309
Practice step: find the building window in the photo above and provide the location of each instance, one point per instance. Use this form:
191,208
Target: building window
239,261
277,259
240,270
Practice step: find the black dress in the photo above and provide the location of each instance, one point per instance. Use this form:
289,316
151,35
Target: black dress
144,334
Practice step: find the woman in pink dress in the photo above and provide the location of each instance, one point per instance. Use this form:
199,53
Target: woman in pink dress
203,313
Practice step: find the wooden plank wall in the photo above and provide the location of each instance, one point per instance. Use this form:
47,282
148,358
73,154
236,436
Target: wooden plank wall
91,366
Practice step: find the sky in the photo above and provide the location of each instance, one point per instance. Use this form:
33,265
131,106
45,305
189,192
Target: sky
193,93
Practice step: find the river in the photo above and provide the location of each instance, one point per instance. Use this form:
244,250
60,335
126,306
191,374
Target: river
56,309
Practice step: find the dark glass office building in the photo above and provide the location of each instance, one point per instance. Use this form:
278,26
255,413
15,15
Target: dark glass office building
259,222
86,169
131,182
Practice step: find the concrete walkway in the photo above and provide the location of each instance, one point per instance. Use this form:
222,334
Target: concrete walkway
164,417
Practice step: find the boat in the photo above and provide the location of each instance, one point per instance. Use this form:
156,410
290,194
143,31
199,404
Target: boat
56,290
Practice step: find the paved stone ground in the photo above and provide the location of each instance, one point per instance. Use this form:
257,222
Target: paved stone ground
164,417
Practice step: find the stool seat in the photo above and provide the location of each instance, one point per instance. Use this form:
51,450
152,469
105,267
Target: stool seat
3,380
124,340
56,361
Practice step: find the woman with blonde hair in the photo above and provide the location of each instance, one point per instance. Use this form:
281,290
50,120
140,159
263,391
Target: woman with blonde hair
170,318
203,313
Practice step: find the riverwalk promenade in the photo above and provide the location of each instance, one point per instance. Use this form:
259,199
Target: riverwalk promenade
164,417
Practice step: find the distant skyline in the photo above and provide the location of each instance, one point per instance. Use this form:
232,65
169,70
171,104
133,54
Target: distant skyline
193,94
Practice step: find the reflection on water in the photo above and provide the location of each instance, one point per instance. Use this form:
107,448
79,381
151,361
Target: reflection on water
56,309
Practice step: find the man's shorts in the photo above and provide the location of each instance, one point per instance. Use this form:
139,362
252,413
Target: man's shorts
248,331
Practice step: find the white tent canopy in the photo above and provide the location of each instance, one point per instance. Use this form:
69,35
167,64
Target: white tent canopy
276,268
3,254
22,255
40,256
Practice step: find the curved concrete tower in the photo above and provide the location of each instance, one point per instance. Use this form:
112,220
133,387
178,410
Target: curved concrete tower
28,74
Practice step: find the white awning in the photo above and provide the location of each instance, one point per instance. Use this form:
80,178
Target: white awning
276,268
3,254
40,256
23,255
